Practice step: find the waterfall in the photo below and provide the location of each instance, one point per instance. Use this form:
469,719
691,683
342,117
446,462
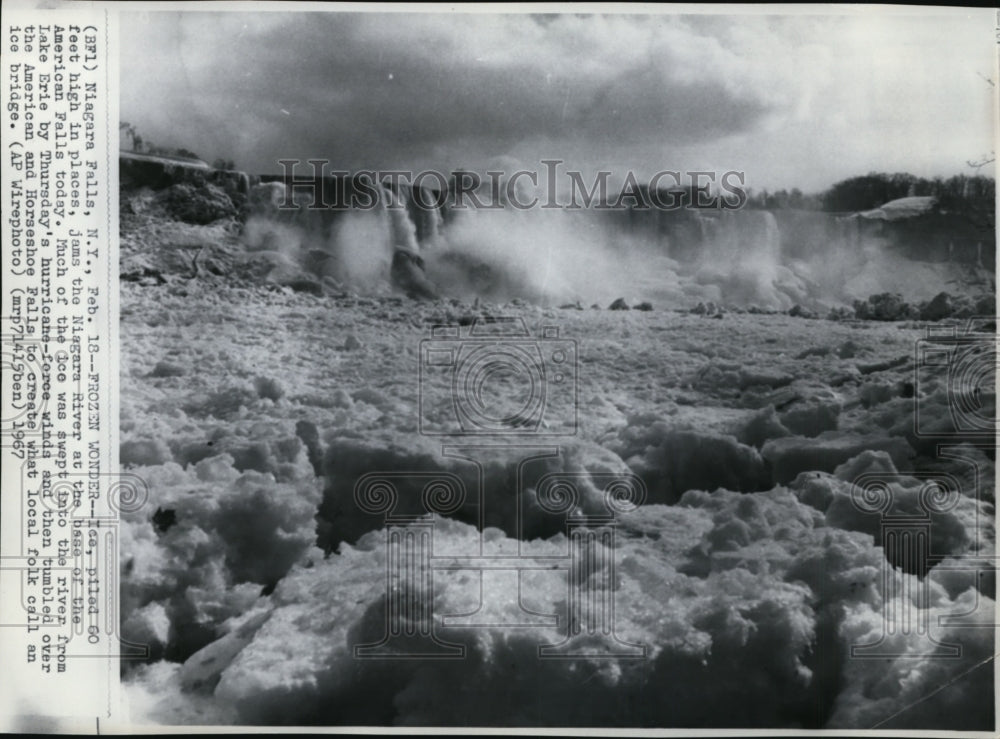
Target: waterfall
739,238
402,230
850,231
772,234
434,222
739,259
744,257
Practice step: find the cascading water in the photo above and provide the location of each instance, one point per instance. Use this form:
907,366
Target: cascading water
434,223
739,260
354,247
747,257
402,230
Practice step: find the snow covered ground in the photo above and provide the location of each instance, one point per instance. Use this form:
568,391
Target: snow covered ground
778,456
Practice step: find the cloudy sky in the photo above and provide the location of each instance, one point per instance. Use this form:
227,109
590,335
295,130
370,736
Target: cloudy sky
793,100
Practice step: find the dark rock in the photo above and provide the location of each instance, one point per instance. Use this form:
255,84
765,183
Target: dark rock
407,274
797,311
940,306
619,304
883,307
643,306
163,519
166,369
306,286
197,204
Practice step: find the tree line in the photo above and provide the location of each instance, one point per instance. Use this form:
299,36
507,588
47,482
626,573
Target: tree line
957,193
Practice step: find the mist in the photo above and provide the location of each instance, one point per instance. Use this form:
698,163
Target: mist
554,257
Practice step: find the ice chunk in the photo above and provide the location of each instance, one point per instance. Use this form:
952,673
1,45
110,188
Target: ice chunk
794,454
672,461
813,418
761,426
144,452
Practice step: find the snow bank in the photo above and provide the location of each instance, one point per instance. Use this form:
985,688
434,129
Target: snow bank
493,485
674,460
954,517
254,433
921,689
746,601
794,454
231,533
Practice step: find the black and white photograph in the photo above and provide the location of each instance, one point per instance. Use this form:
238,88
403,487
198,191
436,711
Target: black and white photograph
513,367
